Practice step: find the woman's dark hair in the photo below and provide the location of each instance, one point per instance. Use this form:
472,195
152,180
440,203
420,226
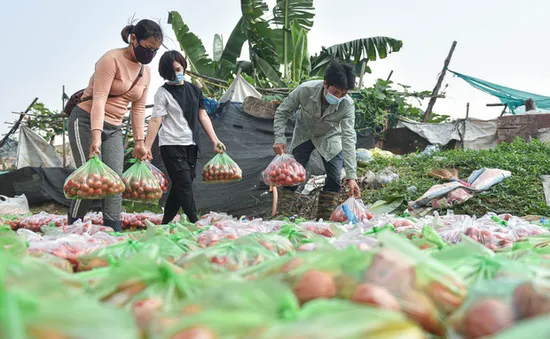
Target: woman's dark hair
143,30
340,75
166,64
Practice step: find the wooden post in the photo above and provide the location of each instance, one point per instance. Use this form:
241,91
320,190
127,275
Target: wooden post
504,110
463,136
438,84
63,107
389,76
362,74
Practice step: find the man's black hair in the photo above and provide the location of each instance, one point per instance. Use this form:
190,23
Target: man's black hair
166,64
340,75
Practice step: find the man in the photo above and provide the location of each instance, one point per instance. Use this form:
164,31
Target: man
325,121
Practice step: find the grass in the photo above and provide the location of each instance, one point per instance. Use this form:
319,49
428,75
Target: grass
521,195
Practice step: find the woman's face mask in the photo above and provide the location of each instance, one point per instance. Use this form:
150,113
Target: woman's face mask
179,77
144,55
145,50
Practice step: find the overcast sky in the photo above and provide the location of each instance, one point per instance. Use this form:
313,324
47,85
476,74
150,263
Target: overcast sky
47,44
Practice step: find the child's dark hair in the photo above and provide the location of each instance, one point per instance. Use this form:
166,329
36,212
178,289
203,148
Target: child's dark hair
340,75
166,64
143,30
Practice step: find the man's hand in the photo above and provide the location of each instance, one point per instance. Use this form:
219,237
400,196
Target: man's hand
354,189
279,149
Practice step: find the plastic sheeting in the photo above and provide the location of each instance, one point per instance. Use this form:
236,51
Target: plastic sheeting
239,90
475,134
34,151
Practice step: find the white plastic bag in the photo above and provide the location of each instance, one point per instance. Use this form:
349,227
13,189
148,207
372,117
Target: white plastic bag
17,205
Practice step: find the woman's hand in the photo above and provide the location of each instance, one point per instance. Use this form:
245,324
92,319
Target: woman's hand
140,151
95,148
149,152
219,147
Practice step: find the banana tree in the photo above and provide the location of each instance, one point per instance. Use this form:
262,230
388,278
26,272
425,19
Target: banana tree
291,15
251,28
263,54
355,51
192,46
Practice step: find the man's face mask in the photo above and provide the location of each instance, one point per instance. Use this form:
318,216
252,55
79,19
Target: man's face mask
332,99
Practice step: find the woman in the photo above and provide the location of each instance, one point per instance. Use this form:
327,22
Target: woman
179,106
120,78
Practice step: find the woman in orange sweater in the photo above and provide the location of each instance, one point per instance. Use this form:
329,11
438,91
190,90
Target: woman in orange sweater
120,78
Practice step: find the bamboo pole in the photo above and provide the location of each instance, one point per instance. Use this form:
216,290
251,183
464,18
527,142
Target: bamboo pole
439,82
17,123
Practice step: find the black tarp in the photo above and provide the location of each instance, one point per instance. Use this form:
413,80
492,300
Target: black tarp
249,142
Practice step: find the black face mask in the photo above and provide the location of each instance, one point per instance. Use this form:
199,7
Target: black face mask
144,55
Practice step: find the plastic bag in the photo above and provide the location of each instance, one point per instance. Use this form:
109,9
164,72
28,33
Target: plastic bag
13,221
141,184
536,328
424,287
53,260
69,247
387,279
497,305
325,229
221,169
93,180
78,227
352,210
341,319
385,177
35,222
364,156
159,175
212,324
474,262
229,256
13,244
272,242
35,314
257,303
16,205
295,233
284,170
145,286
106,255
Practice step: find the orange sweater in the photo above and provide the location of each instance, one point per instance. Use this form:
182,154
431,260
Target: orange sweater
114,74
